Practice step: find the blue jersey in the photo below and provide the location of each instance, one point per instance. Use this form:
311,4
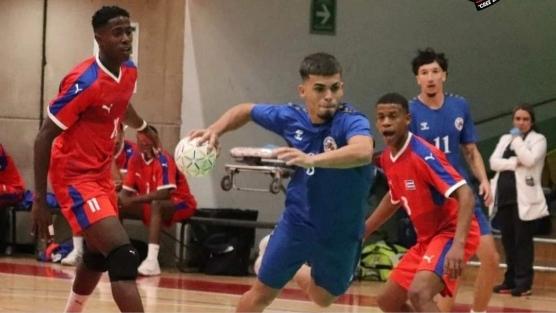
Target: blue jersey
446,127
332,202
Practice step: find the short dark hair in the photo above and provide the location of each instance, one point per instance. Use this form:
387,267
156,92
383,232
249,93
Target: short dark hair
428,56
106,13
395,98
320,63
152,128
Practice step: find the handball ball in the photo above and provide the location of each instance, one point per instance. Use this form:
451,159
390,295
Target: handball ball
194,160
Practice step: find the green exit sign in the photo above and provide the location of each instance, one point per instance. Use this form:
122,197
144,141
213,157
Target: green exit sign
323,17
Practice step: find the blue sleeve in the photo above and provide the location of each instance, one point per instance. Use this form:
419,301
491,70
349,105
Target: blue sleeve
357,125
468,133
270,117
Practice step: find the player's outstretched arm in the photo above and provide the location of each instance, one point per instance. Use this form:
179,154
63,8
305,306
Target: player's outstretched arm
454,258
357,152
232,119
475,161
380,215
41,161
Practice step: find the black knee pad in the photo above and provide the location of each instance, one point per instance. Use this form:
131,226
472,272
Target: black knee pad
122,263
95,262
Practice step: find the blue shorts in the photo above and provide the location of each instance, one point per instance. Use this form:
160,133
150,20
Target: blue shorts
290,246
484,223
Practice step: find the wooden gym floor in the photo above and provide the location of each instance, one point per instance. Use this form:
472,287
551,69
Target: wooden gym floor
29,286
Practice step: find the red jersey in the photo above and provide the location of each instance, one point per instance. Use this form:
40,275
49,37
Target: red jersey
10,179
90,104
155,174
421,178
124,154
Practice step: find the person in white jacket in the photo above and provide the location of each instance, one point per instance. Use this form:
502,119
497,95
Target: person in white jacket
519,200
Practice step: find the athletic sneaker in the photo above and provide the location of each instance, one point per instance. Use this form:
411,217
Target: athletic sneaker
262,248
149,268
521,292
72,258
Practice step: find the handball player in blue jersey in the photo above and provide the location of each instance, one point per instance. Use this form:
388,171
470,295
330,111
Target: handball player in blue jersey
444,120
322,225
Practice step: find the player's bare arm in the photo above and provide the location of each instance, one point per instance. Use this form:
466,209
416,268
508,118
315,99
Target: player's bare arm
133,120
41,161
127,197
232,119
357,152
454,258
475,161
381,214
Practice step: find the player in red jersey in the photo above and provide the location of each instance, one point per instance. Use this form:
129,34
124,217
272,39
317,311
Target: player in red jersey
80,130
156,192
123,150
439,204
11,183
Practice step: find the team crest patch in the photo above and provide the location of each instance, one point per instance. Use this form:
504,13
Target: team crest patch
458,123
409,184
329,144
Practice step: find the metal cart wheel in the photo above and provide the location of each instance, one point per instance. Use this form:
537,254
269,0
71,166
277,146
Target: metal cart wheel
226,183
275,185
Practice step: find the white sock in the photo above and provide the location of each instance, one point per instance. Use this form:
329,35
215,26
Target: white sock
153,251
78,244
75,302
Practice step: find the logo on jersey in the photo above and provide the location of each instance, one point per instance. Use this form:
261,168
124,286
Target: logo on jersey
108,107
409,184
425,126
329,144
298,135
458,123
77,90
429,157
428,258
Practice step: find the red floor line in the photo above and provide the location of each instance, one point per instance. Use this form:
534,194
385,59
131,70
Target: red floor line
45,270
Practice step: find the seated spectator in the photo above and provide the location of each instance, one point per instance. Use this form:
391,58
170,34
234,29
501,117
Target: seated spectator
11,183
155,192
12,189
518,161
123,150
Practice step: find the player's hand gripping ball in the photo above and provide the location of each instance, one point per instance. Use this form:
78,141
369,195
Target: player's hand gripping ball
194,160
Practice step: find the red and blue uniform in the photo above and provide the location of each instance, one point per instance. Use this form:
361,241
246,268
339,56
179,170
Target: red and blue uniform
89,107
145,176
11,183
421,180
124,154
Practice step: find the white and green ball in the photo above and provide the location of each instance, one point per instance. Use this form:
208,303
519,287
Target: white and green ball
194,160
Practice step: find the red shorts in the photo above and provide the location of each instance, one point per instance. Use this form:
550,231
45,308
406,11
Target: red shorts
84,204
183,210
430,256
